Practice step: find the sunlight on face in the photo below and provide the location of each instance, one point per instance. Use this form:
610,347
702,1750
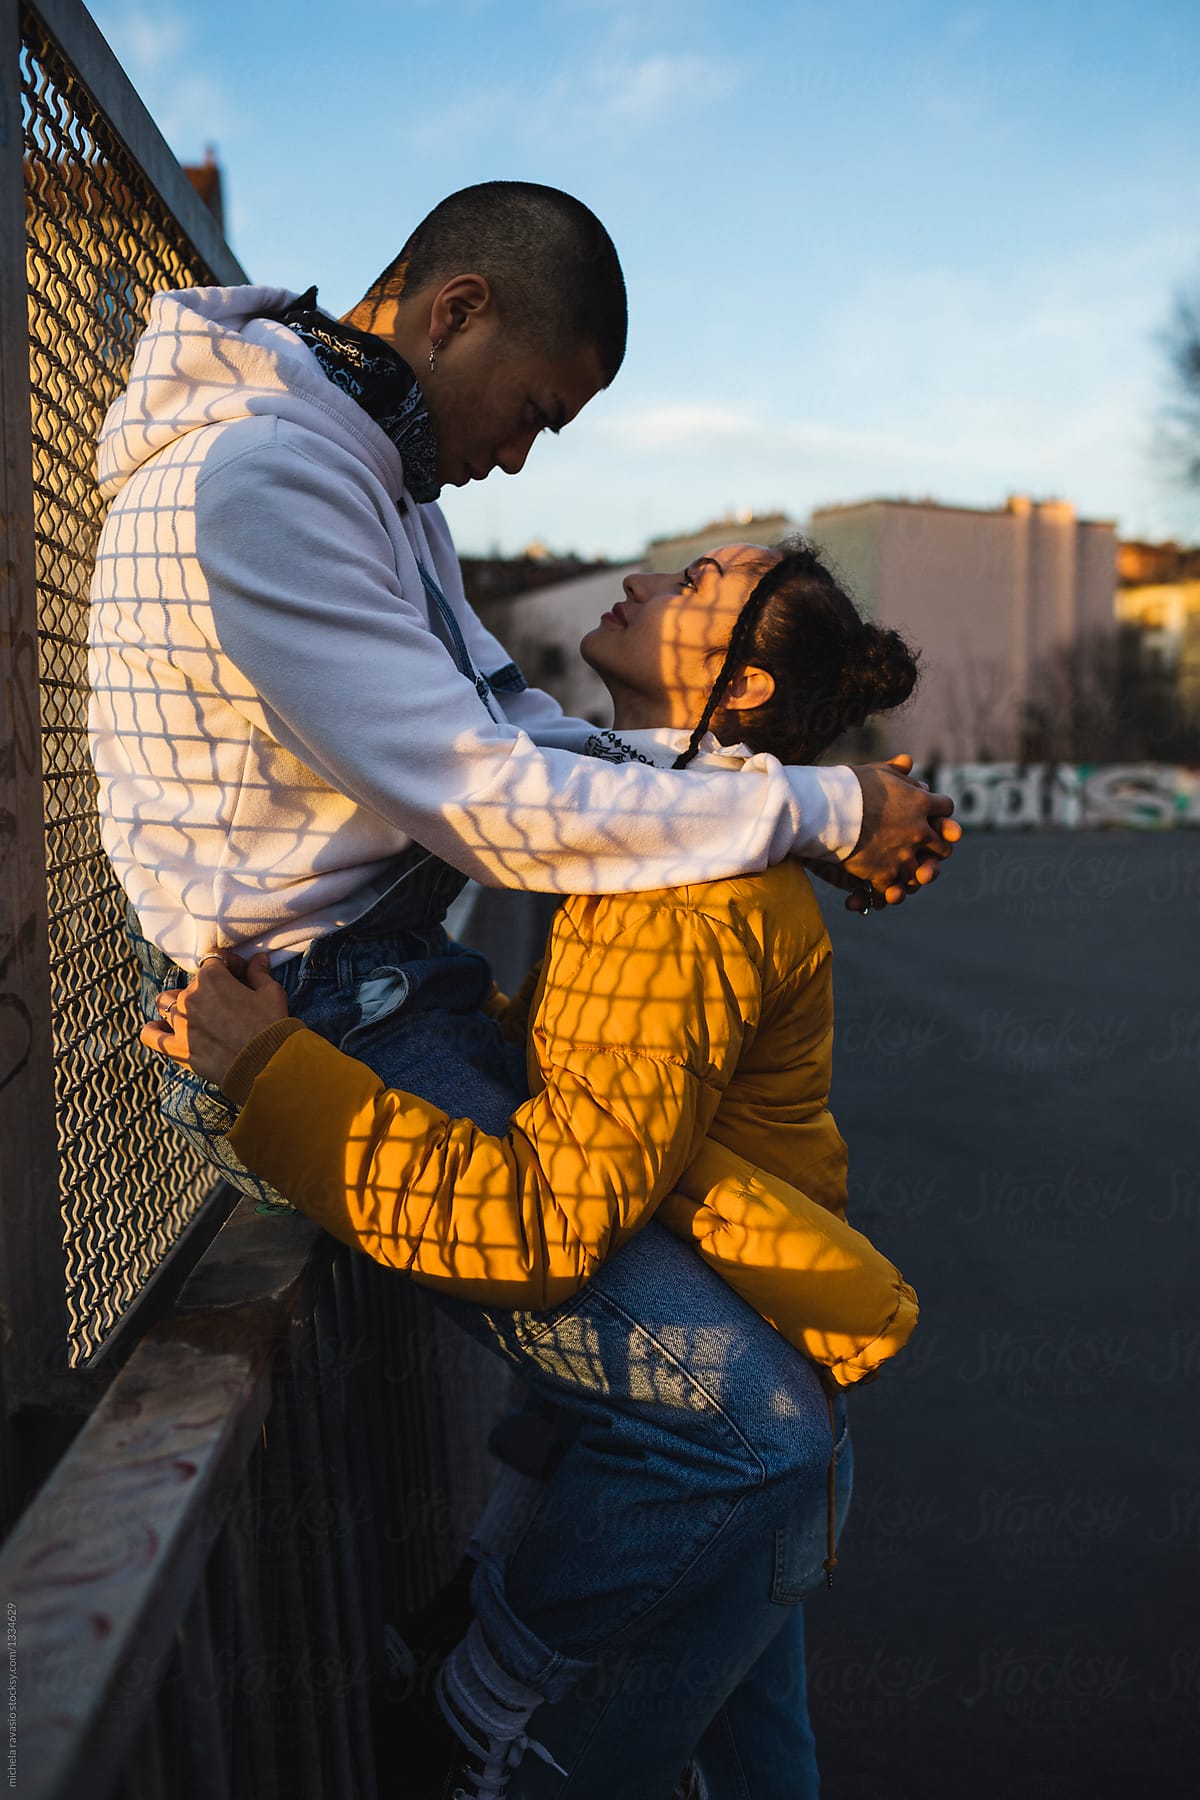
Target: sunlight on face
660,648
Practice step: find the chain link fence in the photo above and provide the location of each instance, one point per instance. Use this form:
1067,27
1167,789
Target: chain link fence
100,240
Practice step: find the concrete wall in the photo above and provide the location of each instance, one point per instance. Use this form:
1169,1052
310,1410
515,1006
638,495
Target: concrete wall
1097,579
542,630
664,555
986,596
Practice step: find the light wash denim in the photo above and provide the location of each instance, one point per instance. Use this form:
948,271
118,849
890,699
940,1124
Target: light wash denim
721,1680
391,989
694,1440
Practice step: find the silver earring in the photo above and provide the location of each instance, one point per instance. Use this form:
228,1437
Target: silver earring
433,354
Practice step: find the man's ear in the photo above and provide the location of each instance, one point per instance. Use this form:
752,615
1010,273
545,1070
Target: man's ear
457,303
751,687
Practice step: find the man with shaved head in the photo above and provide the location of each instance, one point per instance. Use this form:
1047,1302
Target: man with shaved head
307,742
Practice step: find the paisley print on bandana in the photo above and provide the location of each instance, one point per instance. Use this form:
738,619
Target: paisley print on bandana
381,382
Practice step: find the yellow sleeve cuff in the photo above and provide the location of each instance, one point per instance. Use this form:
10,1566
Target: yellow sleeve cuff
253,1058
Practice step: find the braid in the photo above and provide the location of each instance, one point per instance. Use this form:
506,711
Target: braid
740,643
832,670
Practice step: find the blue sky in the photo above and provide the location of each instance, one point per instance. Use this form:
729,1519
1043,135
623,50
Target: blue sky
905,249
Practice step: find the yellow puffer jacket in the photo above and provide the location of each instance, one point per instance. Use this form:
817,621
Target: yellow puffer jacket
679,1061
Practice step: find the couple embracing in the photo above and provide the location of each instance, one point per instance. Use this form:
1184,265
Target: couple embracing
625,1179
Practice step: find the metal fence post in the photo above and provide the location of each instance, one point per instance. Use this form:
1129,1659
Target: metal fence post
33,1313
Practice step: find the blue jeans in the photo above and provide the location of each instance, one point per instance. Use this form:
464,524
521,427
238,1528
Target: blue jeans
721,1679
695,1440
391,989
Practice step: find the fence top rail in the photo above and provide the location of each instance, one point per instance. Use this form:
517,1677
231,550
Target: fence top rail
103,1564
79,38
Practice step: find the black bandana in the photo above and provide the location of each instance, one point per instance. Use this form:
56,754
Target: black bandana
382,383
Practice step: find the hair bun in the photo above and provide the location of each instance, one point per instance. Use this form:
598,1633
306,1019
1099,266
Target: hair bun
882,673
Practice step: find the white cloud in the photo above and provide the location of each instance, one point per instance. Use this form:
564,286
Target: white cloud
474,116
157,49
965,26
1043,380
153,39
635,89
598,97
705,431
679,427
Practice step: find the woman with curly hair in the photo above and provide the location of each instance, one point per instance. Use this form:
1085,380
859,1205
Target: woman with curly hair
679,1051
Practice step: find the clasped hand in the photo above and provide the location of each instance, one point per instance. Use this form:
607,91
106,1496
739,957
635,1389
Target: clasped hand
907,833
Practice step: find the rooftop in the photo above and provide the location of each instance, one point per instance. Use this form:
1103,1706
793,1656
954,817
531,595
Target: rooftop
1020,504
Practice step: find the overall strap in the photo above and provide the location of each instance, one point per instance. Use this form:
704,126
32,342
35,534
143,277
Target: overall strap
447,628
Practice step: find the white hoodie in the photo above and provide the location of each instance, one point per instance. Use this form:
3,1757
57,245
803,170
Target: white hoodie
273,718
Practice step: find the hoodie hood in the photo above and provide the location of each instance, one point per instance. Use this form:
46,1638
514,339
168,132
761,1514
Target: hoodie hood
208,356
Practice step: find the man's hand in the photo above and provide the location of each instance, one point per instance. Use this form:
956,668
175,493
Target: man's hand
860,898
205,1026
906,834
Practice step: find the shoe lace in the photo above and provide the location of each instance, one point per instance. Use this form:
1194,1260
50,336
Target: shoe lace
492,1759
496,1762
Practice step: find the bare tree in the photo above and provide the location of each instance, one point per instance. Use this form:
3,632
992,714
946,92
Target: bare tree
1104,699
1181,343
977,708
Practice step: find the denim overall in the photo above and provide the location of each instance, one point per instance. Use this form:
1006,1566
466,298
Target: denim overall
652,1597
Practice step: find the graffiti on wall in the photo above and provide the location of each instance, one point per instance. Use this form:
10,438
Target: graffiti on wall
1009,796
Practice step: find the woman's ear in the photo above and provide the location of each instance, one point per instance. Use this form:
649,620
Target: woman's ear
750,688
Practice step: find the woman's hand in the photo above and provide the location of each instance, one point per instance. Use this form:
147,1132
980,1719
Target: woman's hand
206,1025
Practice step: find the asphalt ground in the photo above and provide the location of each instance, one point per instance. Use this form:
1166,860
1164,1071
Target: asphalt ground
1016,1609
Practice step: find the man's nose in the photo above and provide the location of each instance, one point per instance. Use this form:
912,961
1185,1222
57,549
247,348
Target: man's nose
512,457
